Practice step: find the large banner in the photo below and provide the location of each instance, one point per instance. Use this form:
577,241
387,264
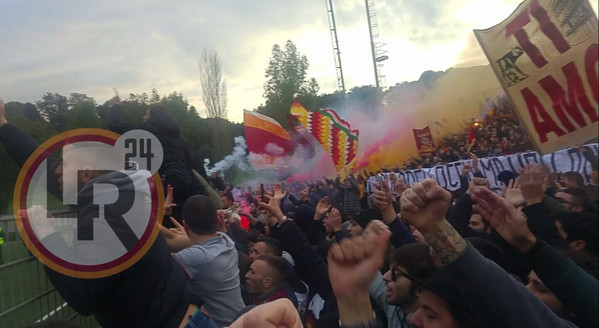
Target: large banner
545,55
448,176
424,140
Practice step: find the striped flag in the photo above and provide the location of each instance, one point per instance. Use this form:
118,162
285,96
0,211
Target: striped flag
267,141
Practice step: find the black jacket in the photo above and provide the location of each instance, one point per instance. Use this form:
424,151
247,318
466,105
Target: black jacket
150,293
176,168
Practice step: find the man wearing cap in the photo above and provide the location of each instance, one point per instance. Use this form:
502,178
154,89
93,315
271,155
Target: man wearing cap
360,221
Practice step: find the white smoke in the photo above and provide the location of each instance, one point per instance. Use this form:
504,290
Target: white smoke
274,149
237,158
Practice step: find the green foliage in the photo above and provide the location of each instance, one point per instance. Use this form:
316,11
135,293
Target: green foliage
82,112
221,138
193,128
177,105
335,99
144,99
286,80
209,138
54,107
428,78
79,100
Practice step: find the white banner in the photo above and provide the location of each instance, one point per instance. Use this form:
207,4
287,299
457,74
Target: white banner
448,175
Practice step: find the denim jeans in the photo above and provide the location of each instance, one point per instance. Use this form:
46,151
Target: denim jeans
199,320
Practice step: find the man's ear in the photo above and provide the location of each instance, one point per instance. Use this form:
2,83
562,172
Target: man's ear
87,174
267,282
578,245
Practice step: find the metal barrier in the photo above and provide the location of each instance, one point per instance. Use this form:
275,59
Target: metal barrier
26,294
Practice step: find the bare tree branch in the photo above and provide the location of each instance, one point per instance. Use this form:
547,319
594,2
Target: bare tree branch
214,88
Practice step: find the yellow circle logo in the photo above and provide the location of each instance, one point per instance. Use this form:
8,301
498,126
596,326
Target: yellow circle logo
113,195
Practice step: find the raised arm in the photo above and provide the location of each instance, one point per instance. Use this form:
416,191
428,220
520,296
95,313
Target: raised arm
570,284
492,294
20,145
383,200
309,266
354,263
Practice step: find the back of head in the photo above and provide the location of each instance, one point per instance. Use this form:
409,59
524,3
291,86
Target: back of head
302,215
199,213
163,120
273,246
252,237
276,268
366,215
581,226
506,176
574,177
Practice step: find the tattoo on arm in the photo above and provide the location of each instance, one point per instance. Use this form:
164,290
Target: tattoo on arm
447,243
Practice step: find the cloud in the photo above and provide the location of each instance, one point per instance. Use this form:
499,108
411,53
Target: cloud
89,47
424,22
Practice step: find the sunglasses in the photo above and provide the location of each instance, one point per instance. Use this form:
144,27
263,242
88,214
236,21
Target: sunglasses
395,273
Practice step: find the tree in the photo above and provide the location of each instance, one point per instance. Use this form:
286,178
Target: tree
82,112
286,80
54,108
77,100
144,99
214,88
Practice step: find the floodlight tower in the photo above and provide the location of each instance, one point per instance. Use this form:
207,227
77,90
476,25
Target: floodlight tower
378,53
335,42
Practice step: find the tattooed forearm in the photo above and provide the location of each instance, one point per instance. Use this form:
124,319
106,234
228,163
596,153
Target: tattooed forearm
447,243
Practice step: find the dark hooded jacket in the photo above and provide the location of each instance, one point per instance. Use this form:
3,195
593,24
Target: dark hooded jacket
176,169
150,293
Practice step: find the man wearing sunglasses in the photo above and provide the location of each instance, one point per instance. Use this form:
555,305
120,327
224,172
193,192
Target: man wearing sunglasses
396,291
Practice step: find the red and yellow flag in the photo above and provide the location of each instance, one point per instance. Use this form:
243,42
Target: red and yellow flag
266,139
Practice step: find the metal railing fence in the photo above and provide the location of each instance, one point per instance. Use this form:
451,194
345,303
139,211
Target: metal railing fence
26,294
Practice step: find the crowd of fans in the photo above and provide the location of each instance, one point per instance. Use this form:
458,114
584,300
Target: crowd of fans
497,133
539,240
333,254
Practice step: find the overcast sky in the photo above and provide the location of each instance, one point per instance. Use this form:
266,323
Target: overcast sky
93,46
